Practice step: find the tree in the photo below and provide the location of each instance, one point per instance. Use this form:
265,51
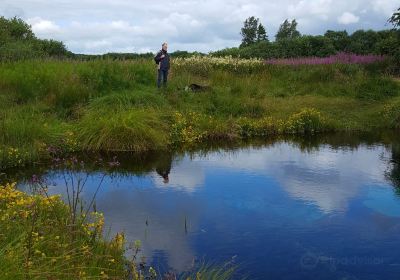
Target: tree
287,31
395,19
261,34
319,46
249,31
363,42
15,29
17,42
54,48
339,39
388,46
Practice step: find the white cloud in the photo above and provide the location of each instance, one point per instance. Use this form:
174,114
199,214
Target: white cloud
88,26
348,18
319,8
327,178
386,7
42,27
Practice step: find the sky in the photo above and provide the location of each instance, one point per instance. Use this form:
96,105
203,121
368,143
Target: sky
101,26
323,183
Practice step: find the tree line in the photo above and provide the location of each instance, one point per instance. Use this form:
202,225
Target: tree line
290,43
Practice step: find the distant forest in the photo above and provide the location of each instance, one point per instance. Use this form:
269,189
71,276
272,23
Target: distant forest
289,43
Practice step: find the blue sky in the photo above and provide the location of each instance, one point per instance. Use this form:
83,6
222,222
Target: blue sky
100,26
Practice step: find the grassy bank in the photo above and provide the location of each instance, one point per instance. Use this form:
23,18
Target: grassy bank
39,239
64,106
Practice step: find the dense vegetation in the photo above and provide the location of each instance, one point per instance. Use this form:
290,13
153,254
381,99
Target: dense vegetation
290,43
40,240
107,105
17,42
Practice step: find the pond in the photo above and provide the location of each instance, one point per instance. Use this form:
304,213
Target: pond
324,207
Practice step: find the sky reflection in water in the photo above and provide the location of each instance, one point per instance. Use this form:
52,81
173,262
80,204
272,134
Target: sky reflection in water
279,211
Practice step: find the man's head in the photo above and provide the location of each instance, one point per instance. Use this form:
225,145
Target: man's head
165,46
166,179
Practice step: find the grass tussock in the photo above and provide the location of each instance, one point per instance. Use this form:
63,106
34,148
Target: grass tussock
122,130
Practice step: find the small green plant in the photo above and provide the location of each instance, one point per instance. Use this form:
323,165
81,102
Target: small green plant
391,113
307,121
259,127
184,129
12,157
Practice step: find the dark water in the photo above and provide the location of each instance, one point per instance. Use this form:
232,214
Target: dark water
318,208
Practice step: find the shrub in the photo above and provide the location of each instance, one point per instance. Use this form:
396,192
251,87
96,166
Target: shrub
17,42
307,121
12,157
184,129
259,127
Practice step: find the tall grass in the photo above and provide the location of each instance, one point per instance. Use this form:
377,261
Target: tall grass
115,105
122,130
343,58
64,84
39,241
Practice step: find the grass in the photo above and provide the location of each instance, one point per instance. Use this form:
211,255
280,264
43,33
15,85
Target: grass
115,106
122,130
39,241
44,238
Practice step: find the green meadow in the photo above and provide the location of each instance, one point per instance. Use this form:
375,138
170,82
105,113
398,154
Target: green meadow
107,105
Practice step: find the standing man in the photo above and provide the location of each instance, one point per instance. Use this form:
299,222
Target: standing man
162,59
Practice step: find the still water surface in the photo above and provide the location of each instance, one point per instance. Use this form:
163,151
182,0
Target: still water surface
317,209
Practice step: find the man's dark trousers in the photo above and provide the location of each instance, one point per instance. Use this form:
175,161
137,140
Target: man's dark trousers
162,75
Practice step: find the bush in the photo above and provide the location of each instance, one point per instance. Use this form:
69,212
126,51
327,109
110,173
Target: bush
13,157
185,129
17,42
16,50
307,121
259,127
